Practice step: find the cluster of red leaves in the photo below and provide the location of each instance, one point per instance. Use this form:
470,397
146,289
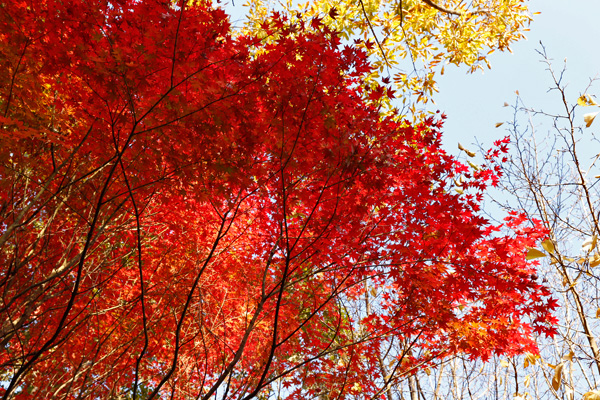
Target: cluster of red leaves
184,213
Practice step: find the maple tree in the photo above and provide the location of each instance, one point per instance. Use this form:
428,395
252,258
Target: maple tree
188,214
552,174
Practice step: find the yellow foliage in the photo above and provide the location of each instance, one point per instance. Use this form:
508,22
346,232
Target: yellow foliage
586,100
592,395
411,40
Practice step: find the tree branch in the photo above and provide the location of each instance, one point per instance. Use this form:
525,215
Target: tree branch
440,8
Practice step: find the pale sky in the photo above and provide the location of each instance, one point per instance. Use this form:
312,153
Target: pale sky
473,102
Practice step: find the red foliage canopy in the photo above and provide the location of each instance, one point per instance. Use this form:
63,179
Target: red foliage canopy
184,213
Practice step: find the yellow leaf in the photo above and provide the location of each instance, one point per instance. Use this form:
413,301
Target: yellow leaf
517,92
589,118
504,363
598,313
586,100
533,254
474,166
569,357
458,190
569,394
589,244
527,381
557,377
530,359
594,261
592,395
548,246
418,21
498,124
463,148
573,283
428,371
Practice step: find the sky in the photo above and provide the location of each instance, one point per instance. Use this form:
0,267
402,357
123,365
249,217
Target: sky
474,102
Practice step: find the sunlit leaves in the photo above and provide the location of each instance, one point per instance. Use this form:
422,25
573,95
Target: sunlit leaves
557,378
589,244
586,100
467,151
476,167
186,211
530,359
592,395
413,40
548,245
589,118
533,253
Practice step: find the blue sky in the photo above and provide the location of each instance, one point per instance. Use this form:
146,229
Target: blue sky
473,102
